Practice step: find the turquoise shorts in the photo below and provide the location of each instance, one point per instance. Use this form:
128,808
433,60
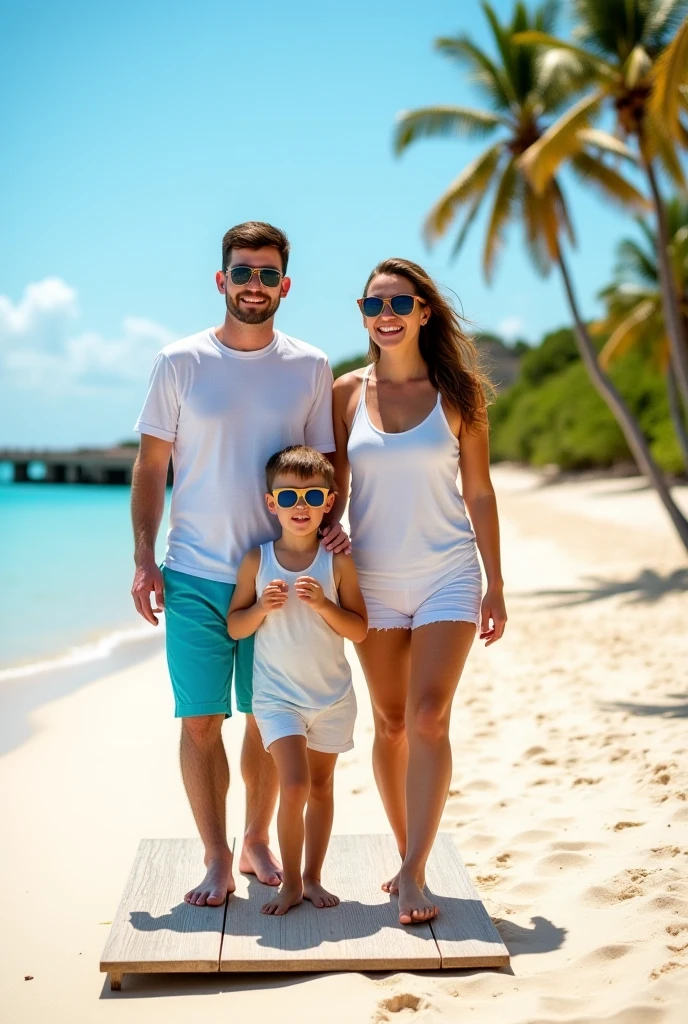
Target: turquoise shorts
201,656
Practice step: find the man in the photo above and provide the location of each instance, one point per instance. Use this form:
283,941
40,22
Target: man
221,403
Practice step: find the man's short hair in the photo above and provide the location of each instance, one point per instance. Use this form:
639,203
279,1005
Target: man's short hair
254,234
303,462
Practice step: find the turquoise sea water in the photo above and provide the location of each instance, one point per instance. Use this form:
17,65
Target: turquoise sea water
65,569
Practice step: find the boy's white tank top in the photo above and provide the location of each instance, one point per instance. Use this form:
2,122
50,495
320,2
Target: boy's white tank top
298,657
408,518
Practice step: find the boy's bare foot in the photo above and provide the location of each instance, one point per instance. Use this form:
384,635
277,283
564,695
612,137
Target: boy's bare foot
319,897
218,881
392,886
257,859
414,907
287,897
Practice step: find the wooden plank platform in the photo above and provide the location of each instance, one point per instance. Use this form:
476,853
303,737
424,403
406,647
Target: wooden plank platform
154,931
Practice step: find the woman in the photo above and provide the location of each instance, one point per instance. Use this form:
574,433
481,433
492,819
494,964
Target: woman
400,425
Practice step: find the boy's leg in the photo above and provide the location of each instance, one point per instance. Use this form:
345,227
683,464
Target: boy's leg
289,754
260,777
262,786
319,815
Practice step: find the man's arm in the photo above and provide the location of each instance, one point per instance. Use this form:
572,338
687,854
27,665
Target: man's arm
147,504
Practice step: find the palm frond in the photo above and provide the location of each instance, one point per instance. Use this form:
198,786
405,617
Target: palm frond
602,68
504,40
610,183
540,225
637,66
473,180
633,262
669,75
482,70
607,142
627,332
501,212
660,145
561,141
441,121
663,20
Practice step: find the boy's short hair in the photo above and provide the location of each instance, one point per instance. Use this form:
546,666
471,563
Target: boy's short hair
255,234
303,462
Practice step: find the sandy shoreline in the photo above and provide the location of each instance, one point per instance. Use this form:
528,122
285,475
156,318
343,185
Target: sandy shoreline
569,799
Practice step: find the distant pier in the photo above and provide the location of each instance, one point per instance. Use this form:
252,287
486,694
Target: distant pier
74,466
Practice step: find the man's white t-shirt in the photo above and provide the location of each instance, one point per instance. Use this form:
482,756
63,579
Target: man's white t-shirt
227,411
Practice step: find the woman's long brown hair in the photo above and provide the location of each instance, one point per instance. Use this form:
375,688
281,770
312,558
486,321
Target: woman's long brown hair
450,355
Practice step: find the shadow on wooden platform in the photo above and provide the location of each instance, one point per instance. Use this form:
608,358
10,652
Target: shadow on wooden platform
156,932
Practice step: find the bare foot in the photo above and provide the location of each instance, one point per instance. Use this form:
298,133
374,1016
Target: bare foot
218,881
319,897
392,886
414,907
287,897
256,859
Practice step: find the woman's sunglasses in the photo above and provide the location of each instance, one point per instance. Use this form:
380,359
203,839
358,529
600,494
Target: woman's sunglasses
269,277
401,305
286,497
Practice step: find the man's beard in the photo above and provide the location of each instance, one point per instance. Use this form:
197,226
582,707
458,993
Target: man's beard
251,316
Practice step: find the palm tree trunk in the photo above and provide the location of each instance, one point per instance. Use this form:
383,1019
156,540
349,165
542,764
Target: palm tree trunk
676,413
622,414
672,315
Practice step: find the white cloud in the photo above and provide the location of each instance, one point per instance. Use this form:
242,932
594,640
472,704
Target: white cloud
41,346
510,327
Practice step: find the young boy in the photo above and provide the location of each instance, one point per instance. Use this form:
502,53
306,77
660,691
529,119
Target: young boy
301,601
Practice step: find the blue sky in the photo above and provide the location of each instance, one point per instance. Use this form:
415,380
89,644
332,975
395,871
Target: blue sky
136,133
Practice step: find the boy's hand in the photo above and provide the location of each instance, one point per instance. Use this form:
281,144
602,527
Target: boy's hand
274,595
309,590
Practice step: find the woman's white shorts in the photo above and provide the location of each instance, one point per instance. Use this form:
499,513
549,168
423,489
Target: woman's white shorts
329,730
453,597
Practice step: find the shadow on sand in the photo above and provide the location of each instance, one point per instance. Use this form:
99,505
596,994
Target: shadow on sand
678,710
647,587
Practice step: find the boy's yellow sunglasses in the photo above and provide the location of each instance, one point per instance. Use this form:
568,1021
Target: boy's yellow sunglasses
287,497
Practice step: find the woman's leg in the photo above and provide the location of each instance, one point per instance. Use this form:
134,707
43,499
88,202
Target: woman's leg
385,657
290,758
438,654
319,815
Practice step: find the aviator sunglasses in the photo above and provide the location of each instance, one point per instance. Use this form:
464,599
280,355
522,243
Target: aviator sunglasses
269,277
401,305
286,497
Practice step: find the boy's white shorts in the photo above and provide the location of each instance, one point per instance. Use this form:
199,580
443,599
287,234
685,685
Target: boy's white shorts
329,730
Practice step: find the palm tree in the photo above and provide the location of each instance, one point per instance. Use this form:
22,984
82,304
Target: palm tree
670,86
521,97
618,52
634,312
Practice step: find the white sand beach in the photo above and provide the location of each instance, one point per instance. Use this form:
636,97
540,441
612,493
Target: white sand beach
569,800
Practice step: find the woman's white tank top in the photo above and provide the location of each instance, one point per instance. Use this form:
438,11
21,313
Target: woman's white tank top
408,519
298,658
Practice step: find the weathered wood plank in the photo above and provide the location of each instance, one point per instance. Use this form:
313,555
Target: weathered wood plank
361,934
463,930
154,930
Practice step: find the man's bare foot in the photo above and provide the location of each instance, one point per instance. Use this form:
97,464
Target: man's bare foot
414,907
218,881
392,886
319,897
287,897
257,859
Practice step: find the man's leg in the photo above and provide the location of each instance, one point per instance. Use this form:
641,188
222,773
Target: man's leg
262,786
205,772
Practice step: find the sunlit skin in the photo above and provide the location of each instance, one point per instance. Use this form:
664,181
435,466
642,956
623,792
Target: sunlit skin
412,675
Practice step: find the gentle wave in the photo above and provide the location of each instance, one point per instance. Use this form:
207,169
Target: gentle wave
97,650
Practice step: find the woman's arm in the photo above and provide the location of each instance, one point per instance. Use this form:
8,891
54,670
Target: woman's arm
349,618
246,611
479,495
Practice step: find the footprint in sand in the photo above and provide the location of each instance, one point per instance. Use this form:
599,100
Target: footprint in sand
583,781
621,825
397,1003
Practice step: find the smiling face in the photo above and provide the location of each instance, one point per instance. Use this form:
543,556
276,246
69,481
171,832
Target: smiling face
388,330
253,303
301,519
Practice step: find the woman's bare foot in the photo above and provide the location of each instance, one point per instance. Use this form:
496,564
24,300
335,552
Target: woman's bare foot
287,897
392,886
257,859
218,881
414,907
319,897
